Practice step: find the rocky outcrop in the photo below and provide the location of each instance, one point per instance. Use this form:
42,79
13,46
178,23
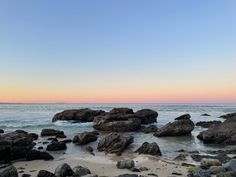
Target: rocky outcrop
228,116
15,145
63,170
149,148
38,155
85,138
117,120
77,115
52,132
224,133
149,129
147,116
183,117
176,128
10,171
56,146
207,124
114,143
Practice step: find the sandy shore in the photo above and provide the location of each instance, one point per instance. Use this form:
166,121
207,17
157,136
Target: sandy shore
105,165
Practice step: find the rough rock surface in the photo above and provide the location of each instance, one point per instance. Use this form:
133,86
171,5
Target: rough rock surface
149,129
63,170
125,164
147,116
207,124
10,171
224,133
149,148
44,173
51,132
77,115
114,143
81,171
38,155
183,117
176,128
15,145
228,116
56,146
85,138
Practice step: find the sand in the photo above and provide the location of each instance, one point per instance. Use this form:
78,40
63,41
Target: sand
105,165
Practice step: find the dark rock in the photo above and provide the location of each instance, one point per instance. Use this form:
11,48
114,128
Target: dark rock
44,173
134,169
183,117
205,114
149,148
15,145
147,116
81,171
56,146
125,164
207,163
207,124
231,165
180,157
78,115
85,138
63,170
90,175
149,129
1,131
114,143
216,169
67,141
40,147
228,116
51,132
128,175
176,128
224,133
90,150
117,120
60,136
143,169
223,158
34,136
10,171
38,155
26,175
227,174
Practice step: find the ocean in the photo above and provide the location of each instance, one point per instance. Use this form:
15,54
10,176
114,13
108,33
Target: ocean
35,117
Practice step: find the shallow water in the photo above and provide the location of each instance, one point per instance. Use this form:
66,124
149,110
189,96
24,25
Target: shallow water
35,117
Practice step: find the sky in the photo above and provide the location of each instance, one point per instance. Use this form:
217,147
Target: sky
118,51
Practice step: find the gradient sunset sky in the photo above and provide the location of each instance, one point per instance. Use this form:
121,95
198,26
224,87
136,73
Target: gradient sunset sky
126,51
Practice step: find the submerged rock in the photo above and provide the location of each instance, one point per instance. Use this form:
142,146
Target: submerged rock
1,131
149,148
52,132
114,143
78,115
10,171
85,138
38,155
207,124
176,128
147,116
205,114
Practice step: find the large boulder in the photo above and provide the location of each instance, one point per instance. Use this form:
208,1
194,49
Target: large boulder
117,120
176,128
38,155
15,145
85,138
10,171
1,131
224,133
207,124
228,116
183,117
147,116
56,146
52,132
114,143
63,170
77,115
149,148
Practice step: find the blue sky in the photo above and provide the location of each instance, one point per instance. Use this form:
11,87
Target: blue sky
120,47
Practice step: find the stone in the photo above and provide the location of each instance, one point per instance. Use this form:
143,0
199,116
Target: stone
180,157
223,158
77,115
207,124
176,128
231,165
81,171
147,116
34,136
128,175
90,175
143,169
10,171
207,163
51,132
44,173
228,116
89,149
56,146
1,131
149,129
85,138
26,175
125,164
38,155
205,114
149,148
67,141
63,170
216,169
183,117
114,143
226,174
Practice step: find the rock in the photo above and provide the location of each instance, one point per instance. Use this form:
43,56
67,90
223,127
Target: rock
56,146
10,171
63,170
149,148
67,141
227,174
44,173
207,124
117,120
183,117
90,175
149,129
180,157
15,145
26,175
228,116
1,131
176,128
143,169
60,136
216,169
125,164
147,116
199,172
85,138
51,132
128,175
224,133
114,143
90,150
134,169
38,155
231,165
81,171
207,163
223,158
34,136
205,114
78,115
